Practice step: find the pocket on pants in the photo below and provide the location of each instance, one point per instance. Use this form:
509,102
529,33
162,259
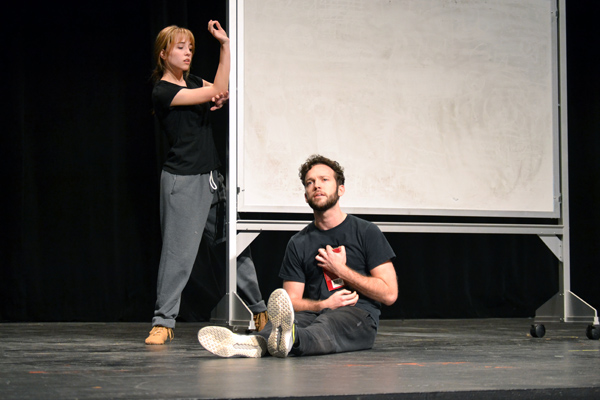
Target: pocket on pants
174,184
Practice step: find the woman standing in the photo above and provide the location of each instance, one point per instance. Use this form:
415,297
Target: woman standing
190,183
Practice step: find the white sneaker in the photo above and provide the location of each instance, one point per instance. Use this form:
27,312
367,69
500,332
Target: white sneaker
281,315
224,343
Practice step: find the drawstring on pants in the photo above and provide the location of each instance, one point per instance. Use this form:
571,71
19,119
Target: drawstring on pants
212,182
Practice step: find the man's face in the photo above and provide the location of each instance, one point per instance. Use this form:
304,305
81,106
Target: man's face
320,188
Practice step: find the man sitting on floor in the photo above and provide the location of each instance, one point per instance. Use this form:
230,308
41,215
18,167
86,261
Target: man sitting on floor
336,273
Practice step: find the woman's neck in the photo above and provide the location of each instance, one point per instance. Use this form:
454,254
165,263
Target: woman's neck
174,77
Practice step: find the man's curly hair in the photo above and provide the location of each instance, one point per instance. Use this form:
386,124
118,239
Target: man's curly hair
316,159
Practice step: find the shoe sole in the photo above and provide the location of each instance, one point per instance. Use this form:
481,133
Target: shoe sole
157,343
224,343
281,315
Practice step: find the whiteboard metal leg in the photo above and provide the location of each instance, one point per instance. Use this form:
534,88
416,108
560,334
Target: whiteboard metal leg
567,307
564,306
232,311
244,239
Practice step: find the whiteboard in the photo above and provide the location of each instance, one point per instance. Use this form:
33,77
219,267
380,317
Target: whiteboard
433,107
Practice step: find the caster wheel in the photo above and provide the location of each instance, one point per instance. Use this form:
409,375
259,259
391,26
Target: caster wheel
593,332
537,331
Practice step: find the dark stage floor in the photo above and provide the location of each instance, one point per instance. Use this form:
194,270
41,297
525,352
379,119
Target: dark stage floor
412,359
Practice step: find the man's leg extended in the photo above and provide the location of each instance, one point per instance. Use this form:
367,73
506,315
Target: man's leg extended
334,331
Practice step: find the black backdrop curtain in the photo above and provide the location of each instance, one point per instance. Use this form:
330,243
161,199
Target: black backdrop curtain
81,161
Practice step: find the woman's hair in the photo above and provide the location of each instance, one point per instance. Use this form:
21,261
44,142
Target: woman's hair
165,41
316,159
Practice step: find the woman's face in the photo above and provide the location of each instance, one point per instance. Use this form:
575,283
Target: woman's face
180,56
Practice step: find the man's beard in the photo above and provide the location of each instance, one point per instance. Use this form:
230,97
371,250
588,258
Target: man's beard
331,201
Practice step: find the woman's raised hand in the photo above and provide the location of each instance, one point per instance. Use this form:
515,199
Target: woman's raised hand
215,29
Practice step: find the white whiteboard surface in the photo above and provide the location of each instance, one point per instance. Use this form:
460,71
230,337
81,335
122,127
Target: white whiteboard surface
434,107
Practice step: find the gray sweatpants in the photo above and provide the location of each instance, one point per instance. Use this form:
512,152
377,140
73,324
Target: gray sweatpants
188,213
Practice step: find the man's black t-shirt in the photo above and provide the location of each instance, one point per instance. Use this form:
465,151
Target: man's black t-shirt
366,248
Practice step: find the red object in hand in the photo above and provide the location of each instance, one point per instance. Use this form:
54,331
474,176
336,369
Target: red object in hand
333,282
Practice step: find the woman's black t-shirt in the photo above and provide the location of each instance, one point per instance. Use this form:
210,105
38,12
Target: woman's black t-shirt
188,129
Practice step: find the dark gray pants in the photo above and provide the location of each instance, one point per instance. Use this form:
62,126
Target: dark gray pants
331,331
188,213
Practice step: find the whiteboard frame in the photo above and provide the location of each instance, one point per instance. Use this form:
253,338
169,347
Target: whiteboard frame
564,306
238,135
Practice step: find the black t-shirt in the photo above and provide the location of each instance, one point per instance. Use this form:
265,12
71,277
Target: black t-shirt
192,147
366,248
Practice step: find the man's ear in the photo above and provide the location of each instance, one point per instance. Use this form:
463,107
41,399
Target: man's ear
341,190
305,197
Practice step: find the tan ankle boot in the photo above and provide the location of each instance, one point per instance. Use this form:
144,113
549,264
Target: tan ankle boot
159,335
260,320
